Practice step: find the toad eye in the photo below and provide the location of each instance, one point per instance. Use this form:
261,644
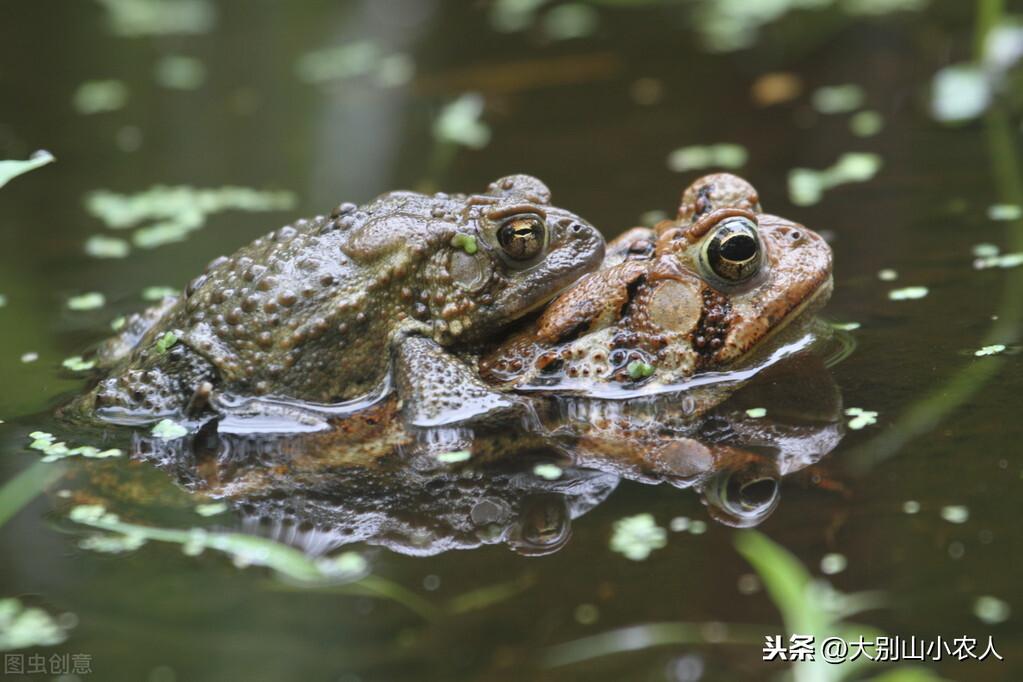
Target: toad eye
733,250
523,237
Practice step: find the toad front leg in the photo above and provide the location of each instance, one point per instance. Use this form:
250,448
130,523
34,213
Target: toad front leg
436,388
176,382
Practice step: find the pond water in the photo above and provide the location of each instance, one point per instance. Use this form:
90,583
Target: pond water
284,109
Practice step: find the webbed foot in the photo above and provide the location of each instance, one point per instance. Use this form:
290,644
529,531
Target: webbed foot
437,388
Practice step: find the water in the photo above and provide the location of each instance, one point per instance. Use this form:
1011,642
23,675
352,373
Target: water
596,117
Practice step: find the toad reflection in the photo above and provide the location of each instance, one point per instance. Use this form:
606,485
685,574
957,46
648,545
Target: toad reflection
373,479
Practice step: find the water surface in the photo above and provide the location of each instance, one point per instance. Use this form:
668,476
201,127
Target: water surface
595,116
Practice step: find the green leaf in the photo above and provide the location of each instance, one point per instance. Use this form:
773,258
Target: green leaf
12,169
24,487
786,580
908,674
485,597
245,550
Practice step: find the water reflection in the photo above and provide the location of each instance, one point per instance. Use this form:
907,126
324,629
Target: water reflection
514,480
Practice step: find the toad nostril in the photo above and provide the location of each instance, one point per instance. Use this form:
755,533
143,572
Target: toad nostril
795,235
576,227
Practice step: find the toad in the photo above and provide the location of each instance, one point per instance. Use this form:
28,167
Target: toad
696,294
319,312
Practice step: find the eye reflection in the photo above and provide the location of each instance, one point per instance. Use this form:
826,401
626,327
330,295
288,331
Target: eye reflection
545,526
743,497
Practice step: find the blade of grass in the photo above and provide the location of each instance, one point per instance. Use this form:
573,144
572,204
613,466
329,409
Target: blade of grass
645,636
23,488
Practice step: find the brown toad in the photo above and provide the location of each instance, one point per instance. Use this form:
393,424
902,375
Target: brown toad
320,310
692,295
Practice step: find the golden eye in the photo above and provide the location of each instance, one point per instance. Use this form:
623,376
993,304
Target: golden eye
523,237
733,251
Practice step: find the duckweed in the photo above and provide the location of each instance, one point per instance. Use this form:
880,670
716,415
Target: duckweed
88,301
833,563
984,250
756,412
860,418
549,472
178,72
168,429
680,524
838,99
101,246
724,155
509,16
635,537
1006,260
173,212
908,293
460,123
991,610
586,614
352,60
133,18
637,369
730,25
76,363
55,450
158,293
454,457
960,92
211,509
1004,212
165,342
955,513
466,242
22,627
96,97
807,186
866,123
574,20
993,349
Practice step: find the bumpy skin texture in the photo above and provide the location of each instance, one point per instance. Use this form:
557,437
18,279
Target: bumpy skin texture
312,310
655,304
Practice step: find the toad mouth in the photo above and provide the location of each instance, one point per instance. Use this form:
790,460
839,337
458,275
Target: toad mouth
817,296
